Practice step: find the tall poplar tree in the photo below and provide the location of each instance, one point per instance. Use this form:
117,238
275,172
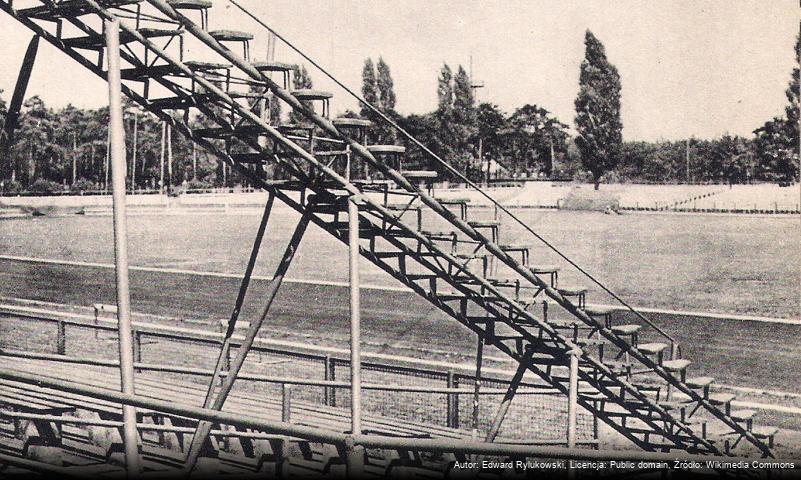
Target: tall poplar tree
369,88
598,122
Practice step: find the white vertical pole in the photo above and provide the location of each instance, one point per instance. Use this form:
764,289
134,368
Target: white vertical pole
572,403
169,156
117,142
355,319
163,142
135,148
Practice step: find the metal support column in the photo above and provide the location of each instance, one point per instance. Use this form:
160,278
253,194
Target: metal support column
477,385
117,141
203,428
223,359
508,397
14,108
572,402
355,319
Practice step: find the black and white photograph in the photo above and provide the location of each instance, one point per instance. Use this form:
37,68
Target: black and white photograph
431,239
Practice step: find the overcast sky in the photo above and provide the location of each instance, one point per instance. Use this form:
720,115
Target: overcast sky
700,68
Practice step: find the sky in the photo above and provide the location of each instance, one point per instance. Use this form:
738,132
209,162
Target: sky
688,68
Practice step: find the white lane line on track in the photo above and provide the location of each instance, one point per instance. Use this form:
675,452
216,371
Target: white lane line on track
717,316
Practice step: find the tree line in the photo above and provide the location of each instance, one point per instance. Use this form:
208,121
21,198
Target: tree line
67,148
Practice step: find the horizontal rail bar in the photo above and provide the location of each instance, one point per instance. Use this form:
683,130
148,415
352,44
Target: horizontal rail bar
314,352
369,441
146,427
497,449
99,362
240,420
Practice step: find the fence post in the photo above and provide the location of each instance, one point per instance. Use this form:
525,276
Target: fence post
61,337
572,399
286,402
354,459
97,320
330,375
226,355
137,345
453,401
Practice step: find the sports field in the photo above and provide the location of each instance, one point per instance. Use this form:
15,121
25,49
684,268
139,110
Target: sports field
713,263
730,264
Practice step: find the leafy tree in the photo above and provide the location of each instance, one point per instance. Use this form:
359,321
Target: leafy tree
534,137
598,111
301,81
777,141
369,87
490,121
445,93
464,113
776,157
378,90
385,85
793,92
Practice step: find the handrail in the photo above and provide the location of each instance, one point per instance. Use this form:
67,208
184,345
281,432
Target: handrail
388,387
241,420
675,348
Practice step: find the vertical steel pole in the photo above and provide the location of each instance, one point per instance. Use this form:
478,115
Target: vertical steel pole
477,385
169,158
117,137
572,400
161,156
135,148
355,319
286,402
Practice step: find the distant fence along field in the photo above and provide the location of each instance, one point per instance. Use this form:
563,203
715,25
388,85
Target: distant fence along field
758,198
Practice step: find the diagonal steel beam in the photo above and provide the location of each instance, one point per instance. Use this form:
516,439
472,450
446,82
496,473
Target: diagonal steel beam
203,428
509,396
14,108
240,299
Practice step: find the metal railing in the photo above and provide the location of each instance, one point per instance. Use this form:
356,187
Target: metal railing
352,446
396,386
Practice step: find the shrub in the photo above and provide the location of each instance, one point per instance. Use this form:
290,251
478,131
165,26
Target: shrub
11,187
45,187
83,185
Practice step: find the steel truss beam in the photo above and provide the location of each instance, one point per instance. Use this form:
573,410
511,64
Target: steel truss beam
14,108
203,428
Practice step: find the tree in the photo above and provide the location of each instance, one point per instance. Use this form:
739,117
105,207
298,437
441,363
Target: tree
385,85
445,93
301,81
598,111
369,88
793,92
777,141
378,91
533,138
464,115
777,159
490,121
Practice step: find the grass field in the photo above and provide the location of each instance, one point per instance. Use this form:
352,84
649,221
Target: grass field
731,264
726,264
744,353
